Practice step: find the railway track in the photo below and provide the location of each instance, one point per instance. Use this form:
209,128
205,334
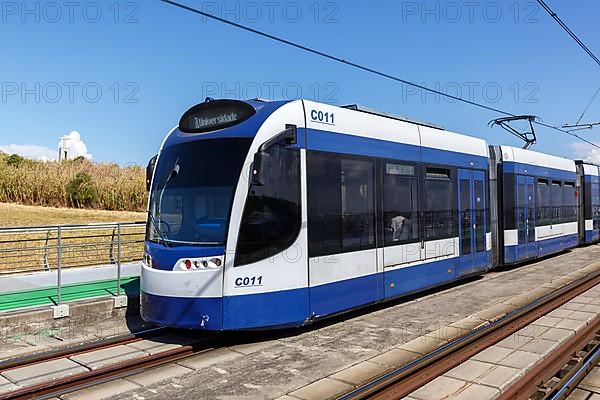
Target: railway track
69,351
57,387
567,378
403,381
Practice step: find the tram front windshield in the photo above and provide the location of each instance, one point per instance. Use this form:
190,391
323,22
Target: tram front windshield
192,192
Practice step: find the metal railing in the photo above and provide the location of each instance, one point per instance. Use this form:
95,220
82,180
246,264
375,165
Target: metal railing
57,247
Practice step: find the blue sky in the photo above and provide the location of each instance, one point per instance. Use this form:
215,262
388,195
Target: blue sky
121,73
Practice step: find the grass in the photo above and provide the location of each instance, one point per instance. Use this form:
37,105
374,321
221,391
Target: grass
37,251
21,215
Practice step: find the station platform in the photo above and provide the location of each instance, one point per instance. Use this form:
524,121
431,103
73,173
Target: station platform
39,289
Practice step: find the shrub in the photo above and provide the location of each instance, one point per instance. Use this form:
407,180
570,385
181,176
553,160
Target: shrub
81,191
14,160
72,184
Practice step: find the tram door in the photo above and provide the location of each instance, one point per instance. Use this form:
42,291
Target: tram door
342,227
596,210
525,211
472,228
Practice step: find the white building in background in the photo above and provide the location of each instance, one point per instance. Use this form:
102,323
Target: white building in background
72,146
64,150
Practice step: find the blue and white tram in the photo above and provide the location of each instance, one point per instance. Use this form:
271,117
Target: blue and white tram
273,214
589,202
537,195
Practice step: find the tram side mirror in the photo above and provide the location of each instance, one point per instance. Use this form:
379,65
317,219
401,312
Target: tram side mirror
150,171
260,166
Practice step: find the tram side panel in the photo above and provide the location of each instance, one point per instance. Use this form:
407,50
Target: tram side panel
595,208
265,284
540,204
398,211
589,202
496,206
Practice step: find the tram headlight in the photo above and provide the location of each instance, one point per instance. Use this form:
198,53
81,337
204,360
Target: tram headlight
186,264
195,264
147,260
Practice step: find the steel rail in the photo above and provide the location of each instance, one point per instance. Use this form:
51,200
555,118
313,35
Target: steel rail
528,384
59,387
101,375
404,380
68,351
571,380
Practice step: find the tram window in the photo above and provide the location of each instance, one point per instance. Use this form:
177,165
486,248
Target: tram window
358,205
544,203
399,169
480,212
557,202
341,204
570,202
400,204
440,208
172,211
324,205
192,192
509,201
595,205
438,174
271,220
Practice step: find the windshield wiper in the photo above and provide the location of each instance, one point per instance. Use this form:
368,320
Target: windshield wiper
172,175
157,229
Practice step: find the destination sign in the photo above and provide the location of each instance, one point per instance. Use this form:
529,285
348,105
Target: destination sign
203,122
215,114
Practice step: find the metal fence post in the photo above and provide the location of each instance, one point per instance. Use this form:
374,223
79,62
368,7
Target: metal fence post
119,259
59,253
111,247
46,263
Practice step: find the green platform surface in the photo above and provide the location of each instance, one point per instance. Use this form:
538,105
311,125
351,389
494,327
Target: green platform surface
76,291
